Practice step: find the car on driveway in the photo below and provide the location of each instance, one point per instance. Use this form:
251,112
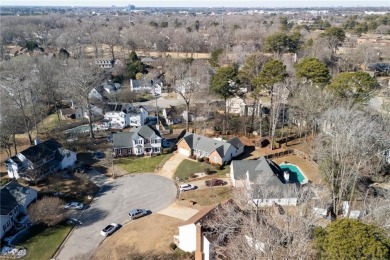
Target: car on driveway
214,182
98,155
186,187
74,205
108,230
137,213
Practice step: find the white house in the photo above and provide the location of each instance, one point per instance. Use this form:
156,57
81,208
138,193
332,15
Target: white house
217,151
242,107
15,199
265,181
37,161
173,115
121,115
107,88
153,87
192,238
141,140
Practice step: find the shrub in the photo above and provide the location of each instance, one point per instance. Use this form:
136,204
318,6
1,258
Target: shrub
193,157
200,159
193,176
207,171
207,160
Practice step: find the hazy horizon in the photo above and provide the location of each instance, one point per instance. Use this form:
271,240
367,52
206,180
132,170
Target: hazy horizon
201,3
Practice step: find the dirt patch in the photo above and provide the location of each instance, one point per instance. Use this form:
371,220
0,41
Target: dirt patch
153,232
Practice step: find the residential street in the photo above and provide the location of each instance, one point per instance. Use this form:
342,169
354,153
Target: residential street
112,203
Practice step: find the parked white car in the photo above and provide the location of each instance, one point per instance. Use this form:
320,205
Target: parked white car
74,205
186,187
108,230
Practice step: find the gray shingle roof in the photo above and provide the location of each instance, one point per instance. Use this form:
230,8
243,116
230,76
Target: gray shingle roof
208,145
125,140
18,191
236,142
122,140
7,201
264,173
145,131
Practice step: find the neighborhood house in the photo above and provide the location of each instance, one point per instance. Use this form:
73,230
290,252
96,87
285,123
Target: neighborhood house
153,87
192,237
265,180
217,151
123,115
37,161
15,199
141,140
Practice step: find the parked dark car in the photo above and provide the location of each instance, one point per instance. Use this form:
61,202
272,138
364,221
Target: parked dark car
214,182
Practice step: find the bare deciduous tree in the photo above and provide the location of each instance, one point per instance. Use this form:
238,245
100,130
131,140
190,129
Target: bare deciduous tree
48,210
350,146
80,78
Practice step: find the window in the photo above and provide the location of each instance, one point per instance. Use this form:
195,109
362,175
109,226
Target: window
119,151
138,141
156,149
215,159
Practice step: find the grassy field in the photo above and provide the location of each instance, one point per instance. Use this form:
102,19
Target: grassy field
42,243
208,196
188,167
143,164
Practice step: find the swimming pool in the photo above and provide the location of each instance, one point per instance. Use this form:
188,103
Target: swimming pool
296,174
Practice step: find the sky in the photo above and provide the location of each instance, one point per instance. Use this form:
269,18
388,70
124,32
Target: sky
200,3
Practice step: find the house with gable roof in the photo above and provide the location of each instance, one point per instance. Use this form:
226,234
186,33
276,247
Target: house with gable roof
191,237
15,199
153,87
39,160
121,115
266,182
217,151
140,140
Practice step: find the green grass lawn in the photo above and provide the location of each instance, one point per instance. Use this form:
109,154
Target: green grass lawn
142,164
188,167
42,243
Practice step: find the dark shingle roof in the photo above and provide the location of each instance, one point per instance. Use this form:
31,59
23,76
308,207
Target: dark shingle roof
264,173
41,150
145,131
236,142
122,140
7,201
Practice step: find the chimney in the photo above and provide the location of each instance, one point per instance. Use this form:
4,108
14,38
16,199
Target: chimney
286,176
37,141
199,244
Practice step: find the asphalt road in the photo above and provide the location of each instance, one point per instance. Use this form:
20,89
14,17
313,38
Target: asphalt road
112,204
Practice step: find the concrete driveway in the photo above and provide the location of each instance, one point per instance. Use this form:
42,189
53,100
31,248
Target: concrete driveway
112,204
170,166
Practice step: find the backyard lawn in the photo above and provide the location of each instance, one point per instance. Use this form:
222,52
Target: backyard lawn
142,164
188,167
42,243
207,196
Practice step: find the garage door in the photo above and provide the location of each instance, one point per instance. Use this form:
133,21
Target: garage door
184,152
